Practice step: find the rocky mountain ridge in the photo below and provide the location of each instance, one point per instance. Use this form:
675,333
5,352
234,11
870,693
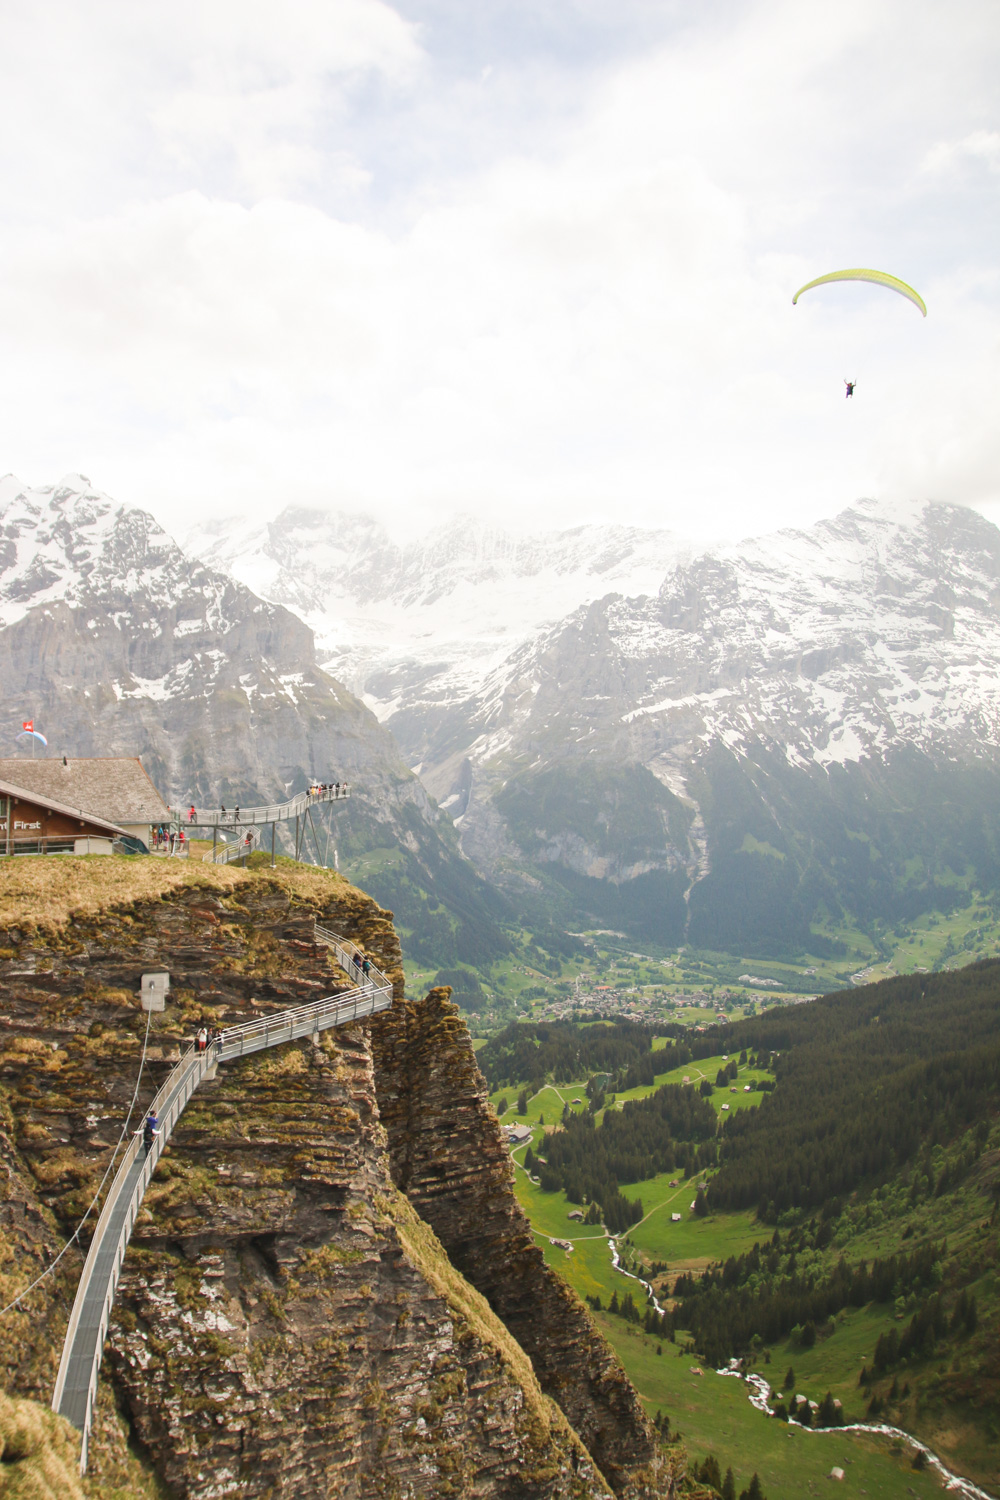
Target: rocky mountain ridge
425,620
116,642
694,747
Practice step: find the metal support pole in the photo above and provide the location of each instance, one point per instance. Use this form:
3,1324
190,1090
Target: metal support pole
272,845
215,835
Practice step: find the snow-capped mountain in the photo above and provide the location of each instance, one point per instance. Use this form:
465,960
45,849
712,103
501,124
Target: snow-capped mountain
423,623
724,747
115,641
807,720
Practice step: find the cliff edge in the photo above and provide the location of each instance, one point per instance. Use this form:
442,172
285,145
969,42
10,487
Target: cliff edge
331,1289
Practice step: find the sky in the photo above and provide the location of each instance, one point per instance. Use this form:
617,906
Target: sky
525,260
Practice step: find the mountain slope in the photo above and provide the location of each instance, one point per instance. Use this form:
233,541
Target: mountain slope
416,626
730,749
801,726
117,642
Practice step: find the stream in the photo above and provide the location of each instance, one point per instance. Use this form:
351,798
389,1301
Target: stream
760,1399
616,1262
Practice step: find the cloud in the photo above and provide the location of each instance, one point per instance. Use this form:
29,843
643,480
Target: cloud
548,317
979,148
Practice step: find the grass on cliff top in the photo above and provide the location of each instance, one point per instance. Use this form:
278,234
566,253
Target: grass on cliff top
49,889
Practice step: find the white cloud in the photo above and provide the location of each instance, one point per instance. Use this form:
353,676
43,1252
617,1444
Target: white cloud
216,292
981,147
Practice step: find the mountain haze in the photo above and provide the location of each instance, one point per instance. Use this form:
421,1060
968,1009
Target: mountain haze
726,748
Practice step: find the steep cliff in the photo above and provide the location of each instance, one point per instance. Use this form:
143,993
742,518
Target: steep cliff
291,1320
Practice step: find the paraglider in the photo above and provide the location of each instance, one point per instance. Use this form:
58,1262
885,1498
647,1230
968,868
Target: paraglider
880,278
850,388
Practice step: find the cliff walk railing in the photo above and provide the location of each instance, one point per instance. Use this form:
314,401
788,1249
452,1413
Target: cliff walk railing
233,849
277,812
76,1384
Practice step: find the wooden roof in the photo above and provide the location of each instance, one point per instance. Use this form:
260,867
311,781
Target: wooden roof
35,799
114,788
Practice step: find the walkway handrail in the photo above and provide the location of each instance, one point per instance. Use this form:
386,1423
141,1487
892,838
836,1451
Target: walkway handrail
76,1383
279,812
226,853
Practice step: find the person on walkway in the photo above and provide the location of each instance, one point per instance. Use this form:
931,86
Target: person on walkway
222,810
336,788
357,965
202,1039
181,842
150,1131
366,970
172,837
236,814
191,813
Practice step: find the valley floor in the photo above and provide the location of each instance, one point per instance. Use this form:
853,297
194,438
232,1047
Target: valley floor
713,1412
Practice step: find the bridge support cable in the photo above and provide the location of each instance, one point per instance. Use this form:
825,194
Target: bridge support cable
76,1383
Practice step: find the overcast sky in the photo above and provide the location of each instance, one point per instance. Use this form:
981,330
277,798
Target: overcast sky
530,259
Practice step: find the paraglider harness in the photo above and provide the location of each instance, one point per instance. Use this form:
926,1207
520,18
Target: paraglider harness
850,384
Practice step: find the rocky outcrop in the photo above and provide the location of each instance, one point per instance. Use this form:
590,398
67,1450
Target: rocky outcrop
288,1321
450,1159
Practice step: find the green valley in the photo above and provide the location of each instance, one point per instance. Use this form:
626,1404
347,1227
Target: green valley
844,1241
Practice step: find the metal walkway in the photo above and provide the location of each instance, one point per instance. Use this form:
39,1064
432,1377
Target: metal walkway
76,1384
243,821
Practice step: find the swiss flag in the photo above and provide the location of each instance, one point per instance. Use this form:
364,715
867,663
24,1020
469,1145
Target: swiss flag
28,724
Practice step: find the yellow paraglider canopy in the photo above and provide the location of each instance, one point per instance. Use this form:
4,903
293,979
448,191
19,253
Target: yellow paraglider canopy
881,278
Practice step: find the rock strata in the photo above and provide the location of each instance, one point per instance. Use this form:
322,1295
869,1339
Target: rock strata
288,1321
449,1157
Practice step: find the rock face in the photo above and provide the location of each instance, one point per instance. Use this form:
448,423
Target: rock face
116,642
714,749
449,1158
288,1321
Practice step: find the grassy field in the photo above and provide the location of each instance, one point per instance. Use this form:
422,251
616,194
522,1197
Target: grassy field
713,1415
712,1411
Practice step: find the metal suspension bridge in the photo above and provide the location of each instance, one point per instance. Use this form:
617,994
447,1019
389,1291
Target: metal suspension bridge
76,1384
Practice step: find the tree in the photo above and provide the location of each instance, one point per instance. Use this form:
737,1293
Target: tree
502,1105
729,1486
789,1384
522,1102
710,1474
700,1204
705,1088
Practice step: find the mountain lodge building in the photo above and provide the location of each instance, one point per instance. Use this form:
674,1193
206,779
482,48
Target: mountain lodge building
76,806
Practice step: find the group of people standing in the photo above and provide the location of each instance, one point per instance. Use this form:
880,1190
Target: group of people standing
168,841
316,789
320,788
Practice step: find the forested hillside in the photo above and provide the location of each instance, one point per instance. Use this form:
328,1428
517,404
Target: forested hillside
867,1081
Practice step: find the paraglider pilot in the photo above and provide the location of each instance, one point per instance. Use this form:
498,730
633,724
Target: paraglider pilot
850,384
